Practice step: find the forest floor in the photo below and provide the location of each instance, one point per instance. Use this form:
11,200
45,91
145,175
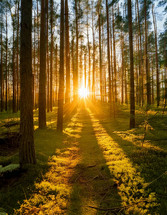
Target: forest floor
97,166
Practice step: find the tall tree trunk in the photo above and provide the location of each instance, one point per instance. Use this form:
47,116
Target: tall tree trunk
146,57
27,150
108,53
42,75
132,98
6,75
81,69
1,74
73,65
61,72
141,99
152,79
88,44
122,72
165,71
112,72
47,57
76,69
67,53
114,49
51,56
56,71
38,51
156,56
14,71
85,71
34,72
100,53
93,72
17,60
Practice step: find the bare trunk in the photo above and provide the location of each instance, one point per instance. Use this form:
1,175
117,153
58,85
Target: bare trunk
42,75
27,150
76,69
14,72
47,58
115,70
51,57
17,60
100,53
108,54
156,57
146,58
6,95
1,74
67,53
93,72
132,98
61,72
56,71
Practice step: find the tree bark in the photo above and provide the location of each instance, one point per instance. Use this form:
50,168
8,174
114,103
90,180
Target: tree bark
1,74
17,60
100,53
51,57
141,99
93,72
14,70
67,53
156,57
132,98
61,72
27,150
42,75
56,71
114,53
146,57
6,75
47,58
76,69
108,53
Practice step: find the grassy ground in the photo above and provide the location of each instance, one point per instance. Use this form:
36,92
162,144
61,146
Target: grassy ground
15,188
149,157
98,144
92,182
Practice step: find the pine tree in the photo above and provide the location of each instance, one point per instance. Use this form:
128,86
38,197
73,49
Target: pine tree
42,76
27,150
61,72
132,98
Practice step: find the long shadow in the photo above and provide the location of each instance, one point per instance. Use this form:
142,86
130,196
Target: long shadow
92,182
16,187
151,163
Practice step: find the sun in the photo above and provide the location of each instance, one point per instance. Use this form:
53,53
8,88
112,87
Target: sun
83,92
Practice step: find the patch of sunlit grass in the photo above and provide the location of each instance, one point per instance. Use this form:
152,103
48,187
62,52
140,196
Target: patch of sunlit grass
74,128
52,194
137,140
135,197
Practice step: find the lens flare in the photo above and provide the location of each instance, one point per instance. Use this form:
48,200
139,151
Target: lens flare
83,92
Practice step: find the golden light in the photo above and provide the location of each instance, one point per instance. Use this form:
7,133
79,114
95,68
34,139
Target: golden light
83,92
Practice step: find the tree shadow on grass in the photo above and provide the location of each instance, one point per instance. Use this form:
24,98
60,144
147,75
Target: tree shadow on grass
16,187
149,162
92,183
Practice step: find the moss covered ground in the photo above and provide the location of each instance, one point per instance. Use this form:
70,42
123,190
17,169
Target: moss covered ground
96,166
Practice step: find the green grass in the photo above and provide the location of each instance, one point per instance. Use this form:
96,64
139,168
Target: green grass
150,162
92,182
19,185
